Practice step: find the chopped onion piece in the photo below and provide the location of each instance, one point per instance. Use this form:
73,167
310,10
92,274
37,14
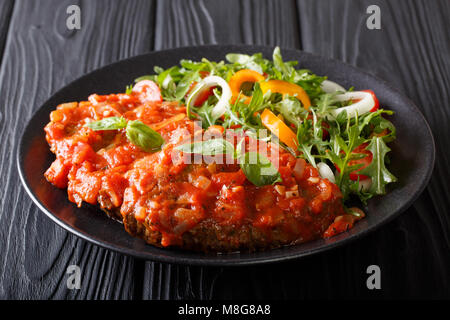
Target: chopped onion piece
363,106
291,194
330,86
208,82
313,180
202,182
326,172
299,169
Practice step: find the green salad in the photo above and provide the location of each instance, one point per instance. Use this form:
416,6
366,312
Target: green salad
343,133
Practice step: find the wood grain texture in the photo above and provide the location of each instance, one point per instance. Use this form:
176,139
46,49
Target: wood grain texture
411,51
42,55
6,8
192,22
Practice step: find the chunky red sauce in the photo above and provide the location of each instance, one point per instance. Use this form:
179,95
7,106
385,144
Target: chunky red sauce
167,195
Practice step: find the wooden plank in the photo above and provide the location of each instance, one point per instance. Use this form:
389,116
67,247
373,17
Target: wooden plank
6,8
411,51
42,55
192,22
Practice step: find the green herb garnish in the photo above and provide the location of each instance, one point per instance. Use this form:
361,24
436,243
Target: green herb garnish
137,132
111,123
256,167
321,136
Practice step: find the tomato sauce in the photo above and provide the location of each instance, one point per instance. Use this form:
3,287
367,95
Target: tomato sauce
164,194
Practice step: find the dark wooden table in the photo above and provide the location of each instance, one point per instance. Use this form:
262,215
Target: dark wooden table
39,55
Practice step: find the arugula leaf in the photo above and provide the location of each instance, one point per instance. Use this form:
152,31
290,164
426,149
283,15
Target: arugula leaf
376,170
244,61
305,141
183,86
256,101
238,58
285,69
373,123
356,188
342,145
292,110
307,154
192,65
143,136
205,115
326,103
258,169
242,114
310,82
111,123
209,148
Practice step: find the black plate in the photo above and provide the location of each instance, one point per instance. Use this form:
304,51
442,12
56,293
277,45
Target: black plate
89,223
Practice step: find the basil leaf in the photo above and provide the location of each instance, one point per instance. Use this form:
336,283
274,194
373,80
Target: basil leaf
377,169
111,123
208,148
143,136
258,169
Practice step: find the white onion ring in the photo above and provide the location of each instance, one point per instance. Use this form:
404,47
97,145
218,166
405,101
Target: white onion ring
326,172
330,86
363,106
208,82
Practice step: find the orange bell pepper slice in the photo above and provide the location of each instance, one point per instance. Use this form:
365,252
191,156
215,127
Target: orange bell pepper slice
286,88
279,128
239,78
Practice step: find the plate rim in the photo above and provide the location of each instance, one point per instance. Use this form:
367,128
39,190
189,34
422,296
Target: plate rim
201,259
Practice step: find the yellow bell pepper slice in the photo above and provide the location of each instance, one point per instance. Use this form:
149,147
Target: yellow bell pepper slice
286,88
239,78
279,128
